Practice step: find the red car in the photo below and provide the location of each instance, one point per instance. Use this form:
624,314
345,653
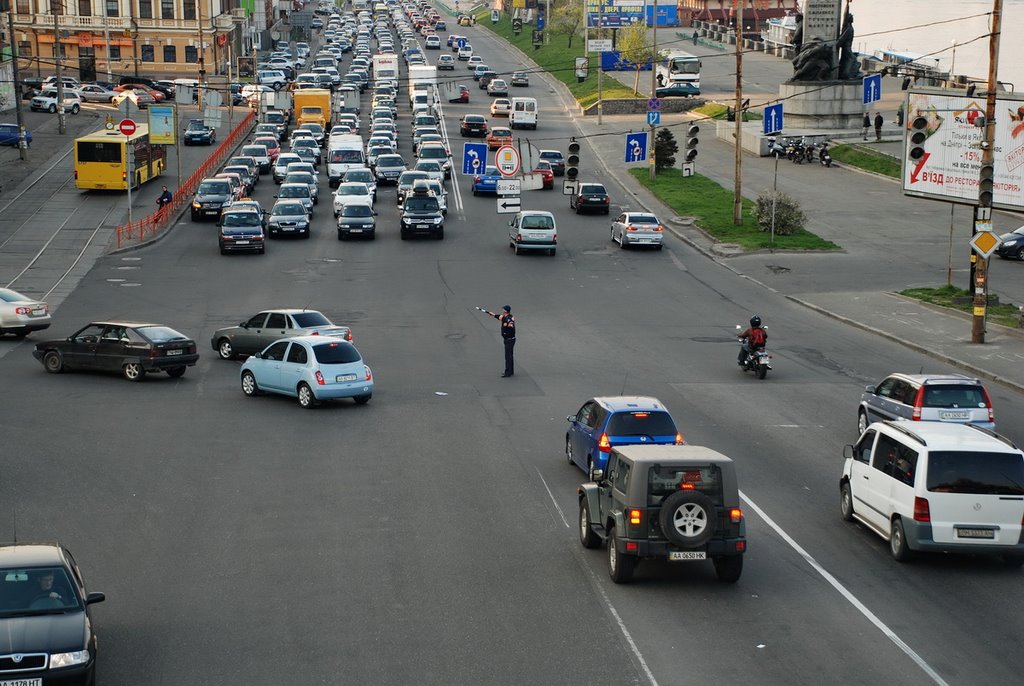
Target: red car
461,96
544,169
273,147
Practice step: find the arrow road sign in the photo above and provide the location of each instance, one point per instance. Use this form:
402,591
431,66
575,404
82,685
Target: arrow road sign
509,205
474,158
568,188
654,118
509,187
772,119
461,42
636,147
872,88
653,104
507,160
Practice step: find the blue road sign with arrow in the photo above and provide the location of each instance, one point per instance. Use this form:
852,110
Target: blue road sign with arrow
540,22
772,119
636,147
872,88
461,42
654,118
474,158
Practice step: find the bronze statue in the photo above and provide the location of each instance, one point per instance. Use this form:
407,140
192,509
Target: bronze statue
848,66
815,62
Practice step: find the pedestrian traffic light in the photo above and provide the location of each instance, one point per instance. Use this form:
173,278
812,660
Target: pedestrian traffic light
572,162
691,143
918,135
985,183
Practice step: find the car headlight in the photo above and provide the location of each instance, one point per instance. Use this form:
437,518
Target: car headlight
78,657
196,204
1013,241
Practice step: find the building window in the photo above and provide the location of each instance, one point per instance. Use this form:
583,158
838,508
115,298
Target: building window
59,50
148,53
25,48
170,53
191,54
167,9
56,7
188,9
85,8
24,6
145,9
113,52
113,8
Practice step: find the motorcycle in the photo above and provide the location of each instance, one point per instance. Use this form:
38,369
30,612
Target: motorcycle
795,151
824,158
757,361
809,149
776,148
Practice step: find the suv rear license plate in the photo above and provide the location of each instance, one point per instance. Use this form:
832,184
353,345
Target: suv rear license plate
688,555
21,682
174,352
954,415
343,378
975,533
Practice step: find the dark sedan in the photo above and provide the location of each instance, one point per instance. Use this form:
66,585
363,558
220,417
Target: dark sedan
473,125
46,628
1011,245
132,348
198,133
590,197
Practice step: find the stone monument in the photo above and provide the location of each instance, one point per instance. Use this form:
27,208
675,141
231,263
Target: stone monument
826,89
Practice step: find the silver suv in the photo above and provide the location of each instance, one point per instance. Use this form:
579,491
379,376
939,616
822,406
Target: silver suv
927,398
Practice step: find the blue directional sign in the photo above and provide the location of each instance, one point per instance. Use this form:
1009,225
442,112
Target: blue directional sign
540,22
461,42
474,158
636,147
772,119
872,88
654,118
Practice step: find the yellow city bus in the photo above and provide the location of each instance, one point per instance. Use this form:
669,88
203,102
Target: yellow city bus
101,161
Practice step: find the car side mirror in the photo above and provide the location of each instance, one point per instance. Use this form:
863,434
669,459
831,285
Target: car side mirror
258,356
95,597
848,451
374,213
571,418
596,475
869,389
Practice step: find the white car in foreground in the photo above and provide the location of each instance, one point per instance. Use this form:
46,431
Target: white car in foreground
351,193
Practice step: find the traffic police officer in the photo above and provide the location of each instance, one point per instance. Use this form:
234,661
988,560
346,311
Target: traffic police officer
508,335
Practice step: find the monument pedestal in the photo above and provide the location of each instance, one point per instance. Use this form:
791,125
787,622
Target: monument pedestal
823,104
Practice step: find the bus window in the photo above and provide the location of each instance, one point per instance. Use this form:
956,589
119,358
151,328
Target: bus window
89,151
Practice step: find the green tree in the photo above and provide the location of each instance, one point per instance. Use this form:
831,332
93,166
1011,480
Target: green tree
567,20
665,148
789,217
636,49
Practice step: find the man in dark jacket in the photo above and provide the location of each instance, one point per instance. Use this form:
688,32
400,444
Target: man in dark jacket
878,126
867,125
508,335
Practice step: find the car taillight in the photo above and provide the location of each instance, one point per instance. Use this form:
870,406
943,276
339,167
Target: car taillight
918,404
22,310
476,179
679,439
579,198
988,404
630,228
659,228
634,517
735,515
154,352
519,237
320,379
369,374
604,445
607,200
554,239
921,511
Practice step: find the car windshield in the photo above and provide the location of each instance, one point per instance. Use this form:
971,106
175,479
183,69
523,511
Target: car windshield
643,219
161,334
428,166
336,352
548,155
954,396
214,188
641,423
196,126
241,219
294,191
978,473
421,204
359,176
299,177
663,481
501,132
357,211
346,156
390,161
289,209
36,590
352,189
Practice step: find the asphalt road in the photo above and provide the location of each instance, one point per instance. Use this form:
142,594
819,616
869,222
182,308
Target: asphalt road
427,537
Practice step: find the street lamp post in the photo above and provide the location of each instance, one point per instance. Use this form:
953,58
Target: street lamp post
952,63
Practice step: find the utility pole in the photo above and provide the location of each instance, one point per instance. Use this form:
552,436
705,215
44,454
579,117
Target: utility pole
654,87
106,38
22,145
58,60
737,201
983,210
202,58
600,33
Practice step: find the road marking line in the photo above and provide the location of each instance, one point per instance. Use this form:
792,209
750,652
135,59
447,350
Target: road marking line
555,502
843,591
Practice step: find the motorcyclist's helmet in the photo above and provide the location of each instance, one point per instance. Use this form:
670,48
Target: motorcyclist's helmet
755,322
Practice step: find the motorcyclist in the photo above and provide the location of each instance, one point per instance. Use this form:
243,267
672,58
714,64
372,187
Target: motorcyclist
752,339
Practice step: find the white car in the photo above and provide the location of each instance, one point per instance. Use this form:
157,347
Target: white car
273,78
281,165
431,167
474,60
432,43
21,315
500,107
466,53
46,101
362,175
351,193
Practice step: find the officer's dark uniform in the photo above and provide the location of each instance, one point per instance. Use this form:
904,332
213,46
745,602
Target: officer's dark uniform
508,337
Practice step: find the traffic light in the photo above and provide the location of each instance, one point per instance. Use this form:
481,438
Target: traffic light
572,162
918,135
985,185
691,143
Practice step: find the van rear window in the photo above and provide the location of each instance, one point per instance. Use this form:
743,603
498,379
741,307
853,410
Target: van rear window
963,471
641,423
953,396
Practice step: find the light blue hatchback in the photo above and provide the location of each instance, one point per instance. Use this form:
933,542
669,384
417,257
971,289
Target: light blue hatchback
310,368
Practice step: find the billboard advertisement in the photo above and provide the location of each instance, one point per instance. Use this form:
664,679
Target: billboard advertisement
943,161
615,13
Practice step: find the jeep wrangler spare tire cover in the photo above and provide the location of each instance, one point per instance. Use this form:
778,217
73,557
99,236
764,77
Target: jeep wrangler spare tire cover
688,518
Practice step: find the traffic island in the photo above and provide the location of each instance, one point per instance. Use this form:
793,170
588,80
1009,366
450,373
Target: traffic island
961,301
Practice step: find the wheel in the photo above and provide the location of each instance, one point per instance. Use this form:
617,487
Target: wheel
474,192
729,568
898,542
862,422
249,386
846,502
51,109
762,371
587,536
225,350
341,236
620,567
75,109
175,372
688,518
440,234
53,362
133,371
306,397
362,399
1020,253
404,235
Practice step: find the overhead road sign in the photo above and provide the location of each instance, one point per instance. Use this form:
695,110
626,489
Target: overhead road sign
636,147
474,158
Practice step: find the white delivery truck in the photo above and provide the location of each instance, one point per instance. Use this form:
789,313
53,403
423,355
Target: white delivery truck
385,68
344,152
422,78
523,114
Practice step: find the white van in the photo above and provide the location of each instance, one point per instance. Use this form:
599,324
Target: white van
523,114
344,152
932,486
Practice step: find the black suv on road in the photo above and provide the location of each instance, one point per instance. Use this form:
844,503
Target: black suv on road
664,502
421,213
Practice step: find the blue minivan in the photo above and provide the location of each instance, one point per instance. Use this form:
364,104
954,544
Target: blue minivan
603,423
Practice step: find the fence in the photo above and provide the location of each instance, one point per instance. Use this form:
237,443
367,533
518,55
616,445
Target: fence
152,225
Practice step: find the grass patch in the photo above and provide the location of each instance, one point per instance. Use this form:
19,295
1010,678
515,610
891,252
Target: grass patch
716,111
870,160
559,60
712,205
960,299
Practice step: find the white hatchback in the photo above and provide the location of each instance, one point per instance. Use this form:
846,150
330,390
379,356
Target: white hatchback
352,193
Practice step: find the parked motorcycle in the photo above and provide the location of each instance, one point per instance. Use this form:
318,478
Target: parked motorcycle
795,151
809,150
824,158
757,361
777,148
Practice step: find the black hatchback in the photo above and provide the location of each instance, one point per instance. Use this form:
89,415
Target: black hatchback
590,197
132,348
473,125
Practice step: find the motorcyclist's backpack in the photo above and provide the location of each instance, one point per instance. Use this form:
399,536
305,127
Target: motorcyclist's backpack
757,337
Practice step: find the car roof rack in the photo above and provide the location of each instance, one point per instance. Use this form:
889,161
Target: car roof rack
900,426
993,434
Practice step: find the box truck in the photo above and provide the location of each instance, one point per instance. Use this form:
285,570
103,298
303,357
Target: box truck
312,106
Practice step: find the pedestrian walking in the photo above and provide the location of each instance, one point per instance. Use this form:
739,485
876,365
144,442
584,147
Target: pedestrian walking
867,126
508,335
899,116
695,37
878,126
